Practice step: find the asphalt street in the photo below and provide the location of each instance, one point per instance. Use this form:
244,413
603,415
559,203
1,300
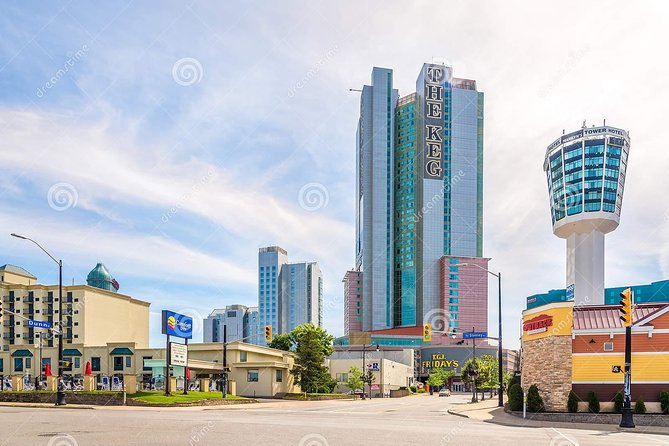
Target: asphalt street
416,420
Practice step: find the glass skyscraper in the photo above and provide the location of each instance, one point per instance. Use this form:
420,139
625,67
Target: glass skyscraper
419,192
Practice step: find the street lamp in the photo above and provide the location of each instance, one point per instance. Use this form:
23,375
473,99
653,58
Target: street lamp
499,336
364,371
60,393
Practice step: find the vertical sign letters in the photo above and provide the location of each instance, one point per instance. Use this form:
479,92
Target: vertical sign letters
434,121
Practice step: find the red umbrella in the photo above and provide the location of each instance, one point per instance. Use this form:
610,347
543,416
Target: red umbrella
47,369
187,373
88,370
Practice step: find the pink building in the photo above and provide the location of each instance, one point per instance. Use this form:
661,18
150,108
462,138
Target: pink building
352,301
464,298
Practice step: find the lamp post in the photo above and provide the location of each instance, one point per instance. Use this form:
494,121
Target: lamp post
60,393
500,391
364,371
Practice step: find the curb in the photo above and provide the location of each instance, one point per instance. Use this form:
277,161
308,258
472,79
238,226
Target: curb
457,414
47,406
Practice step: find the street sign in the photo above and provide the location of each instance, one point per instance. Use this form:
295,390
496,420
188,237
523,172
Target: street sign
616,369
178,354
373,366
39,324
475,334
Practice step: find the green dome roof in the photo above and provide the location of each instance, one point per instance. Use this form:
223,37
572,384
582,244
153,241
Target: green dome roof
100,277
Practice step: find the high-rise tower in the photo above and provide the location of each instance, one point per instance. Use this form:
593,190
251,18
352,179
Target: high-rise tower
586,170
419,194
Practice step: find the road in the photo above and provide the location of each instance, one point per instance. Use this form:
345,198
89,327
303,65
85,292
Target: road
416,420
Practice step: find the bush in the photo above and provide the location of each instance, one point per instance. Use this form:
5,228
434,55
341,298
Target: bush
640,406
572,402
664,402
593,403
515,397
421,390
618,402
412,389
534,401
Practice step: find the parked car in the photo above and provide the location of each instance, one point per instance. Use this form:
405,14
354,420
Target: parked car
444,392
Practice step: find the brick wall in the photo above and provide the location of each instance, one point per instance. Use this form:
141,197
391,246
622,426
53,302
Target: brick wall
547,363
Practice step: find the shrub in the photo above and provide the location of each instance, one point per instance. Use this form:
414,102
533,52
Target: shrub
421,390
640,406
515,397
618,402
593,403
534,401
413,389
664,402
572,402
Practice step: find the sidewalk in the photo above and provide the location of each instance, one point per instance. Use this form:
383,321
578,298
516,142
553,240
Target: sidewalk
45,405
488,412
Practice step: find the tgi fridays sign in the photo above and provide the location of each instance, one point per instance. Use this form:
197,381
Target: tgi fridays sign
538,324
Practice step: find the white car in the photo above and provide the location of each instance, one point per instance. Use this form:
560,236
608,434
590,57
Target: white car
444,392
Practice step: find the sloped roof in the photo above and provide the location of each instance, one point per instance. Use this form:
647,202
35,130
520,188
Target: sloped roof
16,270
608,316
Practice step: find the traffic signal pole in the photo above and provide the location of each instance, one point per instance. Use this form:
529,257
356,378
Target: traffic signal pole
627,418
626,316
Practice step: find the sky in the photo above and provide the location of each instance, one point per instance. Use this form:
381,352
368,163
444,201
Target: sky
171,140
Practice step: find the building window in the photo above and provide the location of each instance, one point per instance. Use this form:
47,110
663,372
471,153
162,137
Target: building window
118,363
95,364
144,366
279,376
128,362
341,377
18,364
68,361
28,363
608,346
2,365
77,362
252,376
243,356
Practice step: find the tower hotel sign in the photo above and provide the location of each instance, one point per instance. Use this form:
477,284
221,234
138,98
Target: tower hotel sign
433,108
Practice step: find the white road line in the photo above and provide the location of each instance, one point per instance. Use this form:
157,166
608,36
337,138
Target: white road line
656,439
565,437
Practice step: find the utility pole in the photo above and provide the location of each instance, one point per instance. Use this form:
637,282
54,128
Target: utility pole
224,376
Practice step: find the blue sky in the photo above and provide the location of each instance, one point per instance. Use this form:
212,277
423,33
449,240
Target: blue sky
179,180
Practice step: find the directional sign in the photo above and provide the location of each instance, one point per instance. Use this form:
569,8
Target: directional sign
616,369
475,334
39,324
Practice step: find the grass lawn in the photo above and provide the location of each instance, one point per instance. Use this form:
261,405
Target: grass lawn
178,397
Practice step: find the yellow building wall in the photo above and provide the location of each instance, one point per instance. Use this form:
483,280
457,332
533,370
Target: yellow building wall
112,318
563,320
597,368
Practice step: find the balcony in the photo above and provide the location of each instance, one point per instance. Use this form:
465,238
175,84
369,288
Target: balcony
7,336
48,300
28,299
8,323
7,299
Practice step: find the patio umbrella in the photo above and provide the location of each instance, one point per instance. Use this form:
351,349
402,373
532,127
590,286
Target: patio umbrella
88,370
47,369
187,373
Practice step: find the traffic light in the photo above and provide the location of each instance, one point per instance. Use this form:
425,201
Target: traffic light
427,332
626,309
268,333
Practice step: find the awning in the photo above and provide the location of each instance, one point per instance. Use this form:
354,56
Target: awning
22,353
71,352
121,351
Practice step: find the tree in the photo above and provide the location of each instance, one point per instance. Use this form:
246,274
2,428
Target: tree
572,402
312,346
664,402
439,377
355,379
640,406
618,401
281,342
486,366
534,401
515,397
593,403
